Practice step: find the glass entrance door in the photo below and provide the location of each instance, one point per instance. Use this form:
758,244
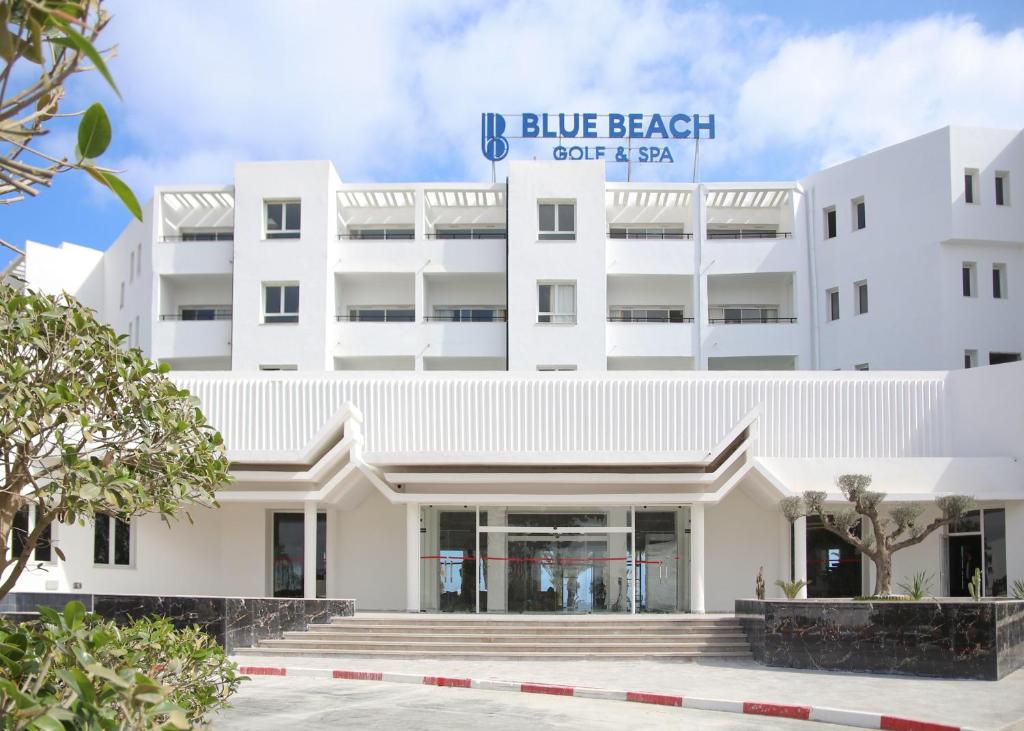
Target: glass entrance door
558,573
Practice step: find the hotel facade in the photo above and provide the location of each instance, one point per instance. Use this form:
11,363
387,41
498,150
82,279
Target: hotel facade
562,394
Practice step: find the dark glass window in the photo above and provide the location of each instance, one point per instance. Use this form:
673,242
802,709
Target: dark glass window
997,282
966,274
1000,190
1000,358
830,223
557,221
281,303
19,531
289,554
995,552
833,305
43,549
122,543
197,313
101,540
833,565
861,215
968,188
284,220
862,298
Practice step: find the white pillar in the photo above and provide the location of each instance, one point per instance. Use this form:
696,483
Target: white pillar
800,554
309,550
697,558
412,557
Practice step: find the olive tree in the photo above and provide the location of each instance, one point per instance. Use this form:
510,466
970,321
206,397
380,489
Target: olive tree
89,427
887,534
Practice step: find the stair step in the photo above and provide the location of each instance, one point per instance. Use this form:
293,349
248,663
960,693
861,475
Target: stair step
463,655
499,647
509,637
527,627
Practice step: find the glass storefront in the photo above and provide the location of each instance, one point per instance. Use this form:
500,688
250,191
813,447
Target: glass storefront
552,560
288,564
978,542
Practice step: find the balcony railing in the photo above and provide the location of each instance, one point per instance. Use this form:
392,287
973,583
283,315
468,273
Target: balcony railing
468,317
378,317
746,234
652,235
199,315
750,321
648,318
201,236
472,234
393,235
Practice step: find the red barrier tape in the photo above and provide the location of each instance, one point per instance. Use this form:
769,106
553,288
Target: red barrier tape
894,723
655,698
777,709
546,689
255,670
356,675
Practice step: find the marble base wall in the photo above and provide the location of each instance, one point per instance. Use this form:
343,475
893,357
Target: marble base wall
232,621
945,639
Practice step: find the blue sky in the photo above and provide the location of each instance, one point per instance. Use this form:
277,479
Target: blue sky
393,91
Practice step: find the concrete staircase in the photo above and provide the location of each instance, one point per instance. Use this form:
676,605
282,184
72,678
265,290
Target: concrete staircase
675,637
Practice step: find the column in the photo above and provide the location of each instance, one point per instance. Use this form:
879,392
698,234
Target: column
697,558
412,557
800,554
309,550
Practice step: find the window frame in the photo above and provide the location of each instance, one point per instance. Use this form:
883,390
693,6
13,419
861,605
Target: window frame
31,516
861,305
858,214
557,233
999,283
1002,188
831,227
282,313
862,367
553,313
970,358
283,232
112,547
832,304
972,195
969,279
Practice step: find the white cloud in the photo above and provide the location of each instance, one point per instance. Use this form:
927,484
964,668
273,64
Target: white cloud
846,93
393,91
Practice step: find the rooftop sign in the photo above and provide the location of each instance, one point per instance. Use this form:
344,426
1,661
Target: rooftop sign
643,135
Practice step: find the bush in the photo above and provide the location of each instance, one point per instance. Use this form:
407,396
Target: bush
77,670
791,588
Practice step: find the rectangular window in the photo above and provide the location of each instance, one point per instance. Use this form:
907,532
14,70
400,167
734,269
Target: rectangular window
1002,188
633,313
861,291
470,313
283,219
289,548
283,367
830,222
121,300
999,281
970,358
138,259
1000,358
557,221
204,312
970,186
131,267
861,367
398,233
555,368
969,279
859,214
113,543
382,313
207,235
24,522
738,314
280,303
556,303
833,304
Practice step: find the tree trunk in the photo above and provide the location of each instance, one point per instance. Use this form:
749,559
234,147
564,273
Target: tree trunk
883,573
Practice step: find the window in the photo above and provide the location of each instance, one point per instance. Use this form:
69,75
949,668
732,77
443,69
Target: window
282,367
830,222
207,235
130,334
131,267
557,221
999,281
284,219
461,232
382,313
1002,188
280,303
970,359
859,213
470,313
969,278
1000,358
725,231
138,259
112,542
861,367
289,548
404,233
556,303
647,232
860,290
970,186
204,312
737,314
632,313
555,368
121,300
25,521
833,304
978,542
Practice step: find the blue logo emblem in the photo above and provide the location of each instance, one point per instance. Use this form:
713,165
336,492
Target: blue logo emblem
492,141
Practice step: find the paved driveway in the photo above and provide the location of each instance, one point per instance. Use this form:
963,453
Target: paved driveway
314,703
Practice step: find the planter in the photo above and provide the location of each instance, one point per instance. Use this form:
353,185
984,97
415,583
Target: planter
942,638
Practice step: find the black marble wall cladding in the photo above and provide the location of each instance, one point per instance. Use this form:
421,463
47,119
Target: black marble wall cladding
946,639
233,622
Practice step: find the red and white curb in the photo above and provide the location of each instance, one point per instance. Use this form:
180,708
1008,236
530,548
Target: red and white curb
822,714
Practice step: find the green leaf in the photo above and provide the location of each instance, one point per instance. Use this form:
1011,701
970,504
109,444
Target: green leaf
74,613
93,132
120,189
83,44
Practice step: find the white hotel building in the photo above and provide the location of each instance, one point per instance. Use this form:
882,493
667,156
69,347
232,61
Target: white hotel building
715,331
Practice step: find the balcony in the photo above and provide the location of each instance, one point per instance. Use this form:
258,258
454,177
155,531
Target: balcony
649,338
194,231
177,340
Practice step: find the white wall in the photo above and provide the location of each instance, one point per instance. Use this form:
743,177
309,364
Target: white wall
370,545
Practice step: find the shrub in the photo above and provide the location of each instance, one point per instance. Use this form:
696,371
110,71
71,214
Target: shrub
791,588
80,669
1018,589
918,587
974,587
